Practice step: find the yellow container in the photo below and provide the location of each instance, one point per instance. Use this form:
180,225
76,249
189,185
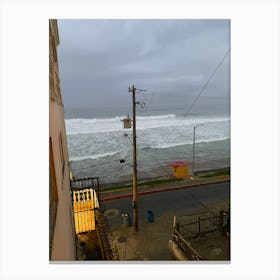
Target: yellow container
179,169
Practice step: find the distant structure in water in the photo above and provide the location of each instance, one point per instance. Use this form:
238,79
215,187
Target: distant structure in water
61,226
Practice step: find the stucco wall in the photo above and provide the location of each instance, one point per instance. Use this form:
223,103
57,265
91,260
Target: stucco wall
63,236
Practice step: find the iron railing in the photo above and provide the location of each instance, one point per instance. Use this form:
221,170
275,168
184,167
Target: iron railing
108,247
86,183
193,226
186,228
185,246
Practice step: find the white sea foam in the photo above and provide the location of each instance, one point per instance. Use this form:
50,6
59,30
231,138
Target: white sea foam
160,136
168,116
170,145
98,138
93,156
87,126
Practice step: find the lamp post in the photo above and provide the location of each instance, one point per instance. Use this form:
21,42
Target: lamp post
194,128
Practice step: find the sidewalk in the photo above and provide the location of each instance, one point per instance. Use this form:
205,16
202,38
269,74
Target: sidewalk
151,242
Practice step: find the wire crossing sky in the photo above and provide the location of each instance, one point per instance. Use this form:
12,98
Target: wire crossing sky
99,59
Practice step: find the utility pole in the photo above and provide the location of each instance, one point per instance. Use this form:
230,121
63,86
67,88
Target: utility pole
134,203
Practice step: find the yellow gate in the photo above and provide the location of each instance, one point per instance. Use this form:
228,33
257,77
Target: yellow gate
83,208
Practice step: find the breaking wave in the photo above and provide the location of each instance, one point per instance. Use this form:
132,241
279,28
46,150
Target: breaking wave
88,126
93,156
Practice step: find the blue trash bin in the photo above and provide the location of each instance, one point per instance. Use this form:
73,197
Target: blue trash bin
150,216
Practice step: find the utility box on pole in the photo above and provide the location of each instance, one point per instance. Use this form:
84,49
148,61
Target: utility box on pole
126,122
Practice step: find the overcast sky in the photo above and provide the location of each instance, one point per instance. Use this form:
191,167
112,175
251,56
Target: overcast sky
99,59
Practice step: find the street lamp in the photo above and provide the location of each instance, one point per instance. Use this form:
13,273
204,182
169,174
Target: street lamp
194,128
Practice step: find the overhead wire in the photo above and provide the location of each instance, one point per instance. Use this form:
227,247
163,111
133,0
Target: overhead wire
208,81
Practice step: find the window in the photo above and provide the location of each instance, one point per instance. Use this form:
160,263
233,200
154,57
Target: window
53,197
54,49
61,155
51,78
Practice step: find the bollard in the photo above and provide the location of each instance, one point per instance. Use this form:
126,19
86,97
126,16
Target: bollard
125,220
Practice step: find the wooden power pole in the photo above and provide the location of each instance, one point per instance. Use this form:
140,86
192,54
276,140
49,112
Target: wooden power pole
135,203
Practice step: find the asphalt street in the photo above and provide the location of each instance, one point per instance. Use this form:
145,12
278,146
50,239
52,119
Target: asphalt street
186,201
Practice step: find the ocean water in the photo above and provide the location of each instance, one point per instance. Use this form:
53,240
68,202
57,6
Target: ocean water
98,143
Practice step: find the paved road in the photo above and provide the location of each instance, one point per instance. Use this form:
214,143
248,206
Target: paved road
176,202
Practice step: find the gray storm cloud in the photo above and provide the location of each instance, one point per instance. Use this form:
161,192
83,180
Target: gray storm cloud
99,59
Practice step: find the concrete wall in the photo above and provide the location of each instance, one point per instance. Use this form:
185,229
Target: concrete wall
62,236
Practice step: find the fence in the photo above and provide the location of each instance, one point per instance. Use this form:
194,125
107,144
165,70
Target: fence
194,226
86,183
186,228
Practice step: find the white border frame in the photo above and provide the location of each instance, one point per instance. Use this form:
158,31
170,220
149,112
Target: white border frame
254,141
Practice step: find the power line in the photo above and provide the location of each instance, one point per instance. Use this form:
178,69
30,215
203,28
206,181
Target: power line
207,82
204,86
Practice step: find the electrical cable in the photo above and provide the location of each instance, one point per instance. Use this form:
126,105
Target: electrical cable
208,81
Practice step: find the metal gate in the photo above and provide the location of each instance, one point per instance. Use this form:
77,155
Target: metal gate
84,201
83,208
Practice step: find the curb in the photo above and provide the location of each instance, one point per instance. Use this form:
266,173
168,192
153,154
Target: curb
176,251
162,190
